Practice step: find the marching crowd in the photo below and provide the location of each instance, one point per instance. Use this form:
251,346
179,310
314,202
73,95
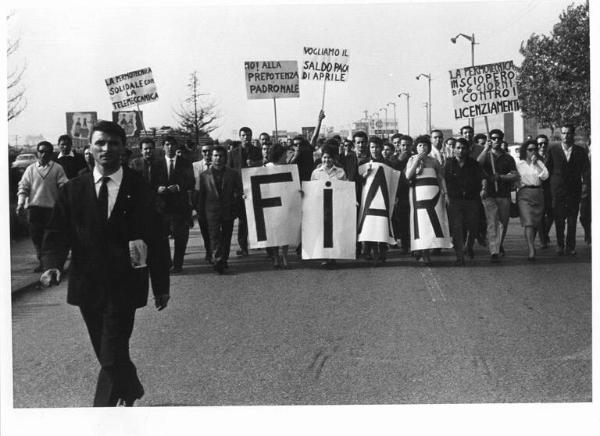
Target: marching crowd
474,174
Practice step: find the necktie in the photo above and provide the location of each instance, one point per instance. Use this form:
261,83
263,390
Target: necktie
171,169
103,199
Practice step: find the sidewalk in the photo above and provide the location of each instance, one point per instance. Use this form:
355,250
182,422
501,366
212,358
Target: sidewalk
22,263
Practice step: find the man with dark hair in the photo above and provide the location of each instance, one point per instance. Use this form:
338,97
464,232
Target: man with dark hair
219,195
302,157
109,222
173,179
39,187
71,162
378,249
361,145
464,178
199,167
569,168
437,140
349,160
496,194
143,164
240,157
264,139
479,143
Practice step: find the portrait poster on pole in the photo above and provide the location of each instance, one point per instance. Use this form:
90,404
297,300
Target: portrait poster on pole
131,89
273,205
130,121
484,90
377,202
272,79
79,124
327,232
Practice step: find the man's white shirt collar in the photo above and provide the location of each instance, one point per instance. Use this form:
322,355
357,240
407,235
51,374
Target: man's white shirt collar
116,177
71,154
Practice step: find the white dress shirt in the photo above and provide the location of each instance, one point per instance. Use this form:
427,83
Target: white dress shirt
112,186
71,154
168,159
567,151
532,174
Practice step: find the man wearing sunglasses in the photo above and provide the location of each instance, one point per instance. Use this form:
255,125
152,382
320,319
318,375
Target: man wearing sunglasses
569,168
39,185
199,167
496,194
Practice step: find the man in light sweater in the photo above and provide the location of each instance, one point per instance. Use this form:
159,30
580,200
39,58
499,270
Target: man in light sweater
39,185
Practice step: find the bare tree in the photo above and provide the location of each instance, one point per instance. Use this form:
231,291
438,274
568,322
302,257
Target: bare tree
15,101
197,118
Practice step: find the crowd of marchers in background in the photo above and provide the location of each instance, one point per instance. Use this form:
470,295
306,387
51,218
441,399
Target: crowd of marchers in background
482,186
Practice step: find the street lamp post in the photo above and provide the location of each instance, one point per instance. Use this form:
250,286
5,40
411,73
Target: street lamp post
472,39
427,123
385,125
407,111
395,122
428,77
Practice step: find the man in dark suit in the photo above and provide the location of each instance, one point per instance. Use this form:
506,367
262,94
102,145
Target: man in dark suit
219,195
71,162
108,220
143,164
173,179
568,166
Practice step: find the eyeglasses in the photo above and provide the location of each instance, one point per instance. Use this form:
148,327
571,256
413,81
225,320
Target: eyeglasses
205,151
532,149
495,138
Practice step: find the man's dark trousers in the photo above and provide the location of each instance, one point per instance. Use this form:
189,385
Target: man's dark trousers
39,217
220,239
110,330
178,227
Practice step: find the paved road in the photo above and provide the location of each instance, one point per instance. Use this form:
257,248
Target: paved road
357,335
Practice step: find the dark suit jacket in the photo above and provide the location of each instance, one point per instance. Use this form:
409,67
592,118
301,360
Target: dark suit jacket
183,175
100,266
220,204
138,165
72,165
566,178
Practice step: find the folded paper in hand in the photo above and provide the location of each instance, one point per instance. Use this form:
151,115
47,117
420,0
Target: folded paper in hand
138,253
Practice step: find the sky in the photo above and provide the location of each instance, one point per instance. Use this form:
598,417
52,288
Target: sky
69,50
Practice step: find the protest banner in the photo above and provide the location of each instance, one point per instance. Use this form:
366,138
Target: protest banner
377,202
484,90
327,64
272,79
428,218
131,121
132,89
327,233
79,124
273,205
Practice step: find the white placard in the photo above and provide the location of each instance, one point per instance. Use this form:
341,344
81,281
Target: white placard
273,205
329,220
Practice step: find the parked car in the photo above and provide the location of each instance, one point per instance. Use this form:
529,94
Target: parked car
23,160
